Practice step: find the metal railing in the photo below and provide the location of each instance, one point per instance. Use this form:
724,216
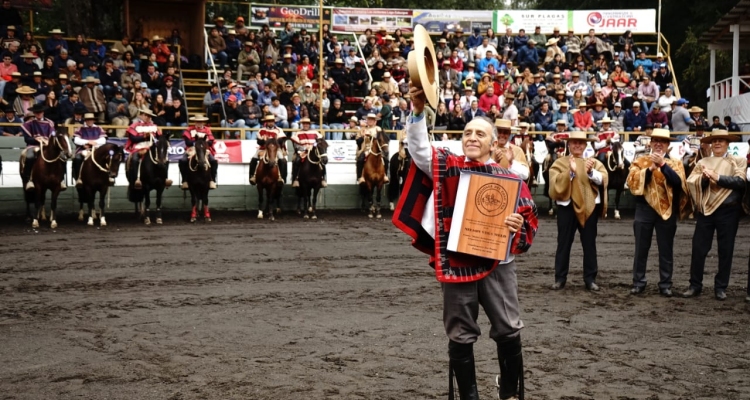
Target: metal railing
723,89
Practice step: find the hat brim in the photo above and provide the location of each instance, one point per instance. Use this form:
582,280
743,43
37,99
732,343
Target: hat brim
729,138
423,65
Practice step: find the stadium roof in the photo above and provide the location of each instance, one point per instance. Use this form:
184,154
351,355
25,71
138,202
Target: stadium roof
720,35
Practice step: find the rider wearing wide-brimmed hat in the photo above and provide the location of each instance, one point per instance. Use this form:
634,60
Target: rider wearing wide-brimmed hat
141,134
86,137
304,141
36,131
196,130
267,132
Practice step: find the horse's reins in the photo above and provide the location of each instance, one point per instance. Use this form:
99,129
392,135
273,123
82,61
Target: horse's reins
41,151
320,158
195,157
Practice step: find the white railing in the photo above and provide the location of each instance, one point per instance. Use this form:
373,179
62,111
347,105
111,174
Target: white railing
723,89
213,74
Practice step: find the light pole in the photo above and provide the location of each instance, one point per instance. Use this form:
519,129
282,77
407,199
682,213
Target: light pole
658,35
321,70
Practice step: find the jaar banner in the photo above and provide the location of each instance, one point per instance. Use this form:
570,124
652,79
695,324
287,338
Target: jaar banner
359,19
614,21
277,16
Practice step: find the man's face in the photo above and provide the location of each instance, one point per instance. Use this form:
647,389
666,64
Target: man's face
10,116
719,147
151,69
477,140
489,54
636,109
545,107
368,104
522,33
266,89
508,32
591,32
275,103
502,138
577,147
659,145
371,122
490,91
474,105
537,30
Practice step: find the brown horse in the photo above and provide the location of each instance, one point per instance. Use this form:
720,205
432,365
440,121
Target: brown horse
47,173
98,173
267,177
311,178
374,174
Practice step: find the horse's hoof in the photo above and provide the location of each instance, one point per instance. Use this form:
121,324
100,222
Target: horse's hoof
551,212
617,214
277,211
147,221
310,209
53,225
260,214
91,221
299,212
208,219
192,219
272,218
378,216
35,224
80,215
391,206
314,217
102,222
369,216
306,216
159,221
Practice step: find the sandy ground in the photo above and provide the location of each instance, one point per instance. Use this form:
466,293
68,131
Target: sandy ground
248,309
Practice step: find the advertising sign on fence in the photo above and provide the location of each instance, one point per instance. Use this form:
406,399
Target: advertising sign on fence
277,16
359,19
227,151
342,151
614,21
547,20
436,21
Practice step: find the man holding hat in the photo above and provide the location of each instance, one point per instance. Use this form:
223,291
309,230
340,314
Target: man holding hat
141,134
36,131
658,184
304,141
467,281
579,187
716,187
374,132
10,117
198,130
267,132
87,138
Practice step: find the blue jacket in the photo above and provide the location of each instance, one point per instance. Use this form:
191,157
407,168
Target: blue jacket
519,42
633,120
474,41
528,56
647,64
484,63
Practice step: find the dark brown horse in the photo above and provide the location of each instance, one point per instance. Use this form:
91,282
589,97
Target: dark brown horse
374,174
311,178
399,168
47,174
198,177
153,175
617,167
98,173
267,178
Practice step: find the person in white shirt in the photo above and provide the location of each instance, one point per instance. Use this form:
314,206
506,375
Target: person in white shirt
510,111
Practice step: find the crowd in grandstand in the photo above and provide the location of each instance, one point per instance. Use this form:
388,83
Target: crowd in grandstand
542,80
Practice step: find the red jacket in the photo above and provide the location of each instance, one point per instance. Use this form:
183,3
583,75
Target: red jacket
486,102
190,134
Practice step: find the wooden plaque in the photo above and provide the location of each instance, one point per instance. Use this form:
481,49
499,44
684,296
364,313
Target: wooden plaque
483,201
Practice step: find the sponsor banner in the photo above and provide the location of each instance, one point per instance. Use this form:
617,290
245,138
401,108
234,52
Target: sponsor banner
359,19
614,21
227,151
342,151
436,21
547,20
278,16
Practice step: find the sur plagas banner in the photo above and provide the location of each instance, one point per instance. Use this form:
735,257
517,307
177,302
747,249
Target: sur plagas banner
603,21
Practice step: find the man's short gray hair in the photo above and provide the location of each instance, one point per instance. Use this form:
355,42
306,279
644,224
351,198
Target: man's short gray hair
71,63
492,124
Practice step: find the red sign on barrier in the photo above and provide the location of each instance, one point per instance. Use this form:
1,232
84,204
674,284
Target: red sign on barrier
228,151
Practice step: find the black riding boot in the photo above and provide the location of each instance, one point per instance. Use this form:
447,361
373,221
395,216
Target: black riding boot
214,168
77,167
510,357
27,167
462,367
253,166
282,169
295,172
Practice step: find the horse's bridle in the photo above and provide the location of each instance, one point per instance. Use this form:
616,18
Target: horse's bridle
195,157
150,155
59,146
108,159
320,157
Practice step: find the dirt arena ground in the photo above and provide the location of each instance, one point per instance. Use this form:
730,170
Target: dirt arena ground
248,309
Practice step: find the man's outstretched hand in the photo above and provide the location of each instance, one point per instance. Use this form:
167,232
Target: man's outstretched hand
418,99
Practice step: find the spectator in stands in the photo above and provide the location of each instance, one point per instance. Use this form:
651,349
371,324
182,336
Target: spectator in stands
234,46
573,43
484,63
270,49
118,112
598,113
543,118
520,40
55,43
217,47
644,62
340,76
41,87
474,41
554,54
696,114
617,115
483,49
110,78
176,113
358,80
251,113
716,124
336,120
62,87
648,92
153,80
10,117
473,111
532,90
265,97
9,15
296,111
543,97
658,118
562,114
591,46
93,98
662,77
635,119
124,46
731,126
279,112
129,77
506,45
488,99
287,70
98,48
665,101
169,92
627,56
285,97
232,118
582,119
528,57
68,105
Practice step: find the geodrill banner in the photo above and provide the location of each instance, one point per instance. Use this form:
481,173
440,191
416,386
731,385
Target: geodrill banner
436,21
359,19
277,16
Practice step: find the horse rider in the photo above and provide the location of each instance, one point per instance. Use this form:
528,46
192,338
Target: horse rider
523,134
506,154
372,131
693,144
86,138
606,137
579,187
304,141
657,183
36,132
141,134
557,141
198,129
642,144
269,131
716,186
466,281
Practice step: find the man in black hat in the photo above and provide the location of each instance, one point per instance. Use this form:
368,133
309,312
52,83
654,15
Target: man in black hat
72,110
36,131
358,80
10,117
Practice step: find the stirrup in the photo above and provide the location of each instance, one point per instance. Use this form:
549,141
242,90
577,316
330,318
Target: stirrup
323,183
361,180
167,183
138,184
252,180
212,185
295,183
79,183
385,179
30,185
184,185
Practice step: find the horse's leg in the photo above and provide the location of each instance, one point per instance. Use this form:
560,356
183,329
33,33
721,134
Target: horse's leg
300,192
377,201
53,207
194,203
315,191
37,204
41,195
81,200
618,192
146,206
90,197
269,206
370,193
102,194
260,202
158,205
206,212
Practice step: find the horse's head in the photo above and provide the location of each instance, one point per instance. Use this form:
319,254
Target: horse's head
619,154
160,150
272,152
113,159
321,151
62,144
200,152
